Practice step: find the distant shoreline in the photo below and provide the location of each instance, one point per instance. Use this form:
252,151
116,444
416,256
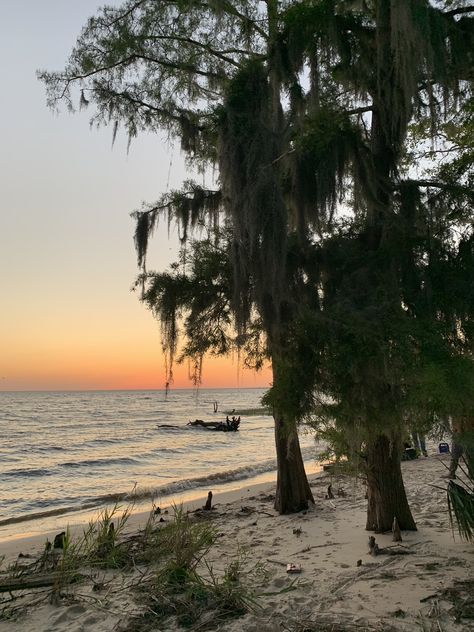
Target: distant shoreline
140,390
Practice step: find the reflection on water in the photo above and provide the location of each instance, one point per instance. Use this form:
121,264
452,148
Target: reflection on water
61,452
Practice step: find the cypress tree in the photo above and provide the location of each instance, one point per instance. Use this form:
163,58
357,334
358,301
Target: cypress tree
306,108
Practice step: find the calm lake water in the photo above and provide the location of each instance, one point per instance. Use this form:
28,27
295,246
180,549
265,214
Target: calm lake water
67,452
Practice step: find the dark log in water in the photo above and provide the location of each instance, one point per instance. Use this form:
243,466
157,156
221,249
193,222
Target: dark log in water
223,426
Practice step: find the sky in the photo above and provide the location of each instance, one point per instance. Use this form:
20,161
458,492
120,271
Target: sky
68,318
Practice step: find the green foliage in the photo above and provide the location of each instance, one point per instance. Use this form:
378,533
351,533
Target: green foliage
186,586
183,543
352,274
191,207
172,577
150,66
324,149
193,299
65,565
101,544
461,508
249,144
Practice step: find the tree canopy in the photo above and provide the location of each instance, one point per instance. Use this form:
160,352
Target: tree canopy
350,253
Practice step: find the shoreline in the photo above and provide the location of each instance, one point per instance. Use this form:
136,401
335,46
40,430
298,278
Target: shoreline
340,587
191,499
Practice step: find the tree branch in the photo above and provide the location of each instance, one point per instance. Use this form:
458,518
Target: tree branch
136,101
440,185
207,47
137,57
167,206
228,6
127,13
458,11
361,110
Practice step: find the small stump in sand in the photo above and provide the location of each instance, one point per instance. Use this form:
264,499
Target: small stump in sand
208,505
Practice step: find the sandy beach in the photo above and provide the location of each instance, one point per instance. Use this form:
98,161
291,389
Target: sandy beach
428,585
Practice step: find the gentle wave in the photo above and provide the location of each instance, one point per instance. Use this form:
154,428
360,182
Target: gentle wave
143,494
27,472
104,441
38,515
101,462
217,478
45,448
75,451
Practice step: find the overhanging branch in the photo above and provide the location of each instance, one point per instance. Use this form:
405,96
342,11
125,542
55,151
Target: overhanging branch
459,11
435,184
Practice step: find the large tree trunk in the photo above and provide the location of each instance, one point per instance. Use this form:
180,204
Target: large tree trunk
385,490
293,492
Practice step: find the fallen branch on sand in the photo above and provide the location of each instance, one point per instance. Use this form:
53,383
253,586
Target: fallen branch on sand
39,581
395,549
372,568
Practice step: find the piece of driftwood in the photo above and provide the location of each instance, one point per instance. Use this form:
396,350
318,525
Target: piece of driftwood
374,549
222,426
433,596
37,581
208,505
396,549
397,536
59,540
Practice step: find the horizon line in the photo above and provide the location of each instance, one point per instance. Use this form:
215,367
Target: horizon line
117,390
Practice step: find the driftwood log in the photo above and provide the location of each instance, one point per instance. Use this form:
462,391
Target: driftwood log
329,494
222,426
208,505
373,546
396,549
38,581
397,535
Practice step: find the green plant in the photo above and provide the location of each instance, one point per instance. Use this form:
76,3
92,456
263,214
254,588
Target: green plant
101,540
461,504
65,564
233,591
183,543
185,585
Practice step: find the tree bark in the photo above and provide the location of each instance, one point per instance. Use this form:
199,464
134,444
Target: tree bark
385,490
293,492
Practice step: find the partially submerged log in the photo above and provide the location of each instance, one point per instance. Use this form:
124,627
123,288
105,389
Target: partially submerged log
229,425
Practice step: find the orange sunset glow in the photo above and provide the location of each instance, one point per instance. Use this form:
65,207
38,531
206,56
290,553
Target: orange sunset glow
69,320
76,357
